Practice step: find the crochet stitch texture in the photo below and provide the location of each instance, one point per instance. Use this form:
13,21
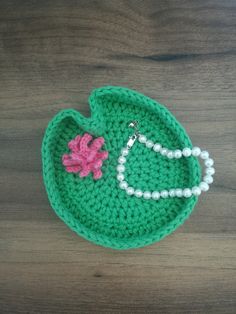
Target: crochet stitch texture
99,210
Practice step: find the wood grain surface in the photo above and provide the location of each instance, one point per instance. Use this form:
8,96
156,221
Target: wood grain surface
52,54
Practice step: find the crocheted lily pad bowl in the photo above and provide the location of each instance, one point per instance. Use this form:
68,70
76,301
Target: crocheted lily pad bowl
99,210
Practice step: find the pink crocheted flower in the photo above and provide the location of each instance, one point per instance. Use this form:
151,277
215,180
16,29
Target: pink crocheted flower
85,156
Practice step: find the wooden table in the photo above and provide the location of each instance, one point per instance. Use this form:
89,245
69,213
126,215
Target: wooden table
52,54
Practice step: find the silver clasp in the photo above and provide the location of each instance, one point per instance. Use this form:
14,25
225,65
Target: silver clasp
134,125
132,138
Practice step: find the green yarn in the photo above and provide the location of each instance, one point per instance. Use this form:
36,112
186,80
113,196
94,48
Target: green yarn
99,210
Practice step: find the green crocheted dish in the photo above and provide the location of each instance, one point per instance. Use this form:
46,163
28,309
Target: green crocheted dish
99,210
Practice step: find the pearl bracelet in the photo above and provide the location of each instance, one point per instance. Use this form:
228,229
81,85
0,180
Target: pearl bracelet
178,153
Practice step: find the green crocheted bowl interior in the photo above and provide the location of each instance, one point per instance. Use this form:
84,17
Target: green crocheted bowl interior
99,210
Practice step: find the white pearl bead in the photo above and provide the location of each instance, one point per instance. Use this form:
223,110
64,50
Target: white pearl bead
157,147
196,151
138,193
210,171
196,191
204,186
179,192
122,160
208,179
142,139
124,152
120,168
130,190
164,151
177,153
155,195
204,154
147,195
123,185
149,144
170,154
120,177
164,194
187,192
187,152
209,162
172,192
